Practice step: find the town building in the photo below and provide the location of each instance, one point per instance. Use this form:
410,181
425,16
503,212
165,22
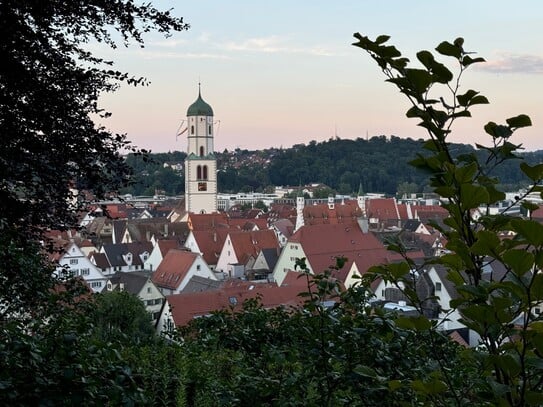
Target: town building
201,163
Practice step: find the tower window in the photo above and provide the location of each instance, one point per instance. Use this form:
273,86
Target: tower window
209,129
201,151
192,129
205,171
199,172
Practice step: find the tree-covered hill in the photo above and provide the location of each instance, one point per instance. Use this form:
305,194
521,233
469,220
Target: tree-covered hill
379,164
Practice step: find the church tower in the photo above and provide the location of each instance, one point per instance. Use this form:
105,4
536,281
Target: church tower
200,164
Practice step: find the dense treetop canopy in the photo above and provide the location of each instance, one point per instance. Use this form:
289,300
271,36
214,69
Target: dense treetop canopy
49,88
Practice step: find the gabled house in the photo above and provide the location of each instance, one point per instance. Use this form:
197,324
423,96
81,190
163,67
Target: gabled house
344,212
427,213
100,260
185,307
127,256
153,229
321,244
283,229
248,224
416,226
266,259
75,263
241,249
176,270
141,285
383,213
160,249
433,285
208,243
280,211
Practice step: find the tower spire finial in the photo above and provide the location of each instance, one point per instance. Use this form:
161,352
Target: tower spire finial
199,87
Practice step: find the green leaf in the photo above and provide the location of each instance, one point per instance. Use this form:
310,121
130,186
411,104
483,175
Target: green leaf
472,196
441,73
459,42
519,121
419,78
433,386
426,58
479,100
520,261
382,39
536,290
498,130
534,398
465,174
467,60
365,371
448,49
486,243
394,384
530,206
419,323
464,99
528,229
535,173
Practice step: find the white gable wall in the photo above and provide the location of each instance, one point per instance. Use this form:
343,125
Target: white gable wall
78,265
287,260
227,256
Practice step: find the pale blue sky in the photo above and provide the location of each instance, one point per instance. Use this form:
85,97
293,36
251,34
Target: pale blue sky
284,72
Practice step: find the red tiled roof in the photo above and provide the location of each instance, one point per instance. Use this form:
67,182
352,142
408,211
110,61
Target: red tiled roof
186,307
165,245
246,244
403,212
347,212
100,259
426,212
248,224
173,268
207,221
210,243
323,243
382,209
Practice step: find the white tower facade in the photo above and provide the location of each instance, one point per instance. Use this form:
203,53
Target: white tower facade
300,204
200,164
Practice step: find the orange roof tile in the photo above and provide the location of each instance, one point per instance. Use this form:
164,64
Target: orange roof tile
186,307
206,221
173,268
347,212
165,245
246,244
382,209
323,243
210,243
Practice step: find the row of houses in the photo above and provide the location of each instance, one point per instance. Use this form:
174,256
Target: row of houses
200,262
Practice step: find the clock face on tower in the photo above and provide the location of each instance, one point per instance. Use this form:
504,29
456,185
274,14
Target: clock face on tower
202,186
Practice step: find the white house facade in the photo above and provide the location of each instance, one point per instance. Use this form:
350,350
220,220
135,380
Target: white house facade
75,263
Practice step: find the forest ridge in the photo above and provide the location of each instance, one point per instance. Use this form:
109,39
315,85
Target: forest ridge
378,164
